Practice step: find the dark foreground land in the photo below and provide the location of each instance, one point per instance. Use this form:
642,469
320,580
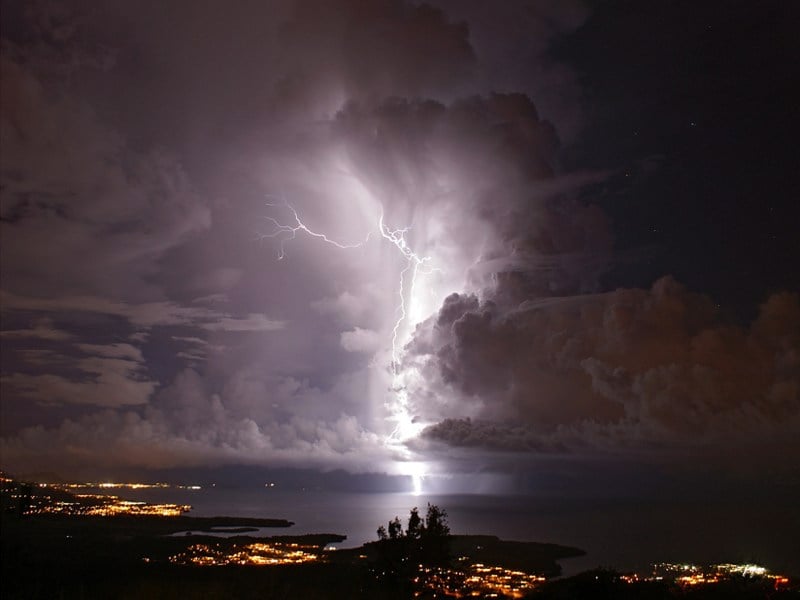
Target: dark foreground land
79,557
68,556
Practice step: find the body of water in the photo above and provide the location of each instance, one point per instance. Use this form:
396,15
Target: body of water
623,534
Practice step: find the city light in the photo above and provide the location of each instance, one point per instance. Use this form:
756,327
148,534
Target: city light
477,579
62,499
257,554
691,575
97,505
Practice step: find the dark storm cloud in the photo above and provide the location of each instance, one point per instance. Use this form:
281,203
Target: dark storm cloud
145,151
630,369
487,435
73,187
475,179
412,50
512,40
80,180
219,74
138,147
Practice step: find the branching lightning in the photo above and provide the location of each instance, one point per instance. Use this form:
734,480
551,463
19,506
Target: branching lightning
405,427
414,264
291,231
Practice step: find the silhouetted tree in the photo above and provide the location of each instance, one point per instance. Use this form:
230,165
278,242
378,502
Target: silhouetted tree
436,522
434,542
395,529
399,553
415,527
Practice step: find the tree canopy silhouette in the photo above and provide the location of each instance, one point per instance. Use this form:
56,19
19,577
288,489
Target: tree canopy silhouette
436,525
423,541
415,526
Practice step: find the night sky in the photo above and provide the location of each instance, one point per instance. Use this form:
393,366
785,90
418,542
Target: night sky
533,240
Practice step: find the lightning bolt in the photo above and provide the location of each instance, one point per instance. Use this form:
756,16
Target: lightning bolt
291,231
416,265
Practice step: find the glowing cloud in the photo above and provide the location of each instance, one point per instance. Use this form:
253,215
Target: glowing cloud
405,426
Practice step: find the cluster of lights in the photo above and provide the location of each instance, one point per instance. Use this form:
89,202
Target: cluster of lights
126,507
106,506
690,575
258,554
476,580
49,498
110,485
101,505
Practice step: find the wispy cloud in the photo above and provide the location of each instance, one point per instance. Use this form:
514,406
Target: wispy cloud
143,315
